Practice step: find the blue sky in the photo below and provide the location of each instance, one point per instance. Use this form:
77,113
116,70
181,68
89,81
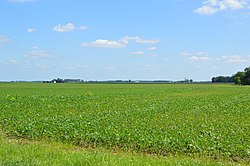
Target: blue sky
117,39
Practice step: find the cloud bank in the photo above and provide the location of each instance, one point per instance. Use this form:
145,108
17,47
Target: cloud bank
64,28
68,27
121,43
213,6
37,54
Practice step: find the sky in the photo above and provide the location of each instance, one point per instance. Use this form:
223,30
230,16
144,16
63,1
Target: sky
118,39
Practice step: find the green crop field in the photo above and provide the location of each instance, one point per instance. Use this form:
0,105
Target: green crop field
163,119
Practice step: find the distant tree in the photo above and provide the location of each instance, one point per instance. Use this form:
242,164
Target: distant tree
222,79
187,81
58,80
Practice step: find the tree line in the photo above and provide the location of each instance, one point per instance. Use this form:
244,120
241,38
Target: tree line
240,78
223,79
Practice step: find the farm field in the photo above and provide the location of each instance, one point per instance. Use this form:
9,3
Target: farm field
204,120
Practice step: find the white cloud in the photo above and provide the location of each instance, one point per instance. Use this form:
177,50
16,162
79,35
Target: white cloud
196,58
83,27
137,53
69,27
105,44
37,54
152,55
12,62
138,39
64,28
21,1
30,30
233,4
146,41
4,40
212,6
121,43
236,59
201,53
152,48
186,53
206,10
126,39
35,47
77,67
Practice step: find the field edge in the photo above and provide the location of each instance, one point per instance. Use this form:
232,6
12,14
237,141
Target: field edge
25,152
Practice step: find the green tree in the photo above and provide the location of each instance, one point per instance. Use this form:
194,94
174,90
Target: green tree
238,77
237,80
242,77
222,79
246,77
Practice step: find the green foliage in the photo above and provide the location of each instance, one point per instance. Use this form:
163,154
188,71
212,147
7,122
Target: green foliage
242,78
25,153
210,120
222,79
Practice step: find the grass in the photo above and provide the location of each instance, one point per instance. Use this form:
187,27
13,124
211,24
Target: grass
157,119
25,153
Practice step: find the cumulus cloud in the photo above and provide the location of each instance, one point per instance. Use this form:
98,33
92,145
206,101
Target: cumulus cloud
152,48
104,44
186,53
196,58
121,43
236,59
30,30
137,53
68,27
138,39
212,6
37,54
21,1
146,41
64,28
83,27
208,10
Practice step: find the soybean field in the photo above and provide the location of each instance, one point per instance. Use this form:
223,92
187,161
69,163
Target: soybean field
164,119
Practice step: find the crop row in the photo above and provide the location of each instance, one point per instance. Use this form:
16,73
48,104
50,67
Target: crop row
183,121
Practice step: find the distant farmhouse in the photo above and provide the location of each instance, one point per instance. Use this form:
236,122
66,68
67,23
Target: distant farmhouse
58,80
